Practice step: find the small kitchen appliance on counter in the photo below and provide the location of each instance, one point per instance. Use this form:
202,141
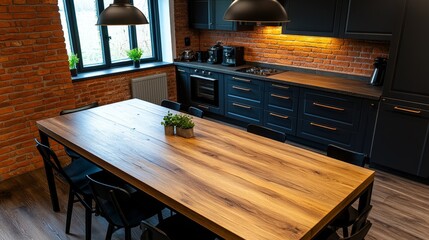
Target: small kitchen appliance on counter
215,53
202,56
233,56
187,56
379,69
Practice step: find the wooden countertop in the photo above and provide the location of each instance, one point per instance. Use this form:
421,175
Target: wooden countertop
339,85
295,76
237,184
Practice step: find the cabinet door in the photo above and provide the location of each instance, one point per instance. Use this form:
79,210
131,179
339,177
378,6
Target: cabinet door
183,87
369,19
407,71
313,17
199,14
219,7
400,137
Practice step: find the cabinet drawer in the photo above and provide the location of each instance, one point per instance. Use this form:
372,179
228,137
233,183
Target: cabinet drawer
281,98
244,87
280,122
334,107
241,110
326,133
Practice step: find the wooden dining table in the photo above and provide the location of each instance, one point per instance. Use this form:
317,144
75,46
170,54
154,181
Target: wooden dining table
237,184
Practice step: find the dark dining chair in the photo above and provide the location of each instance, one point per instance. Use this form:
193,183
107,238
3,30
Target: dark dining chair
72,154
176,227
122,205
266,132
170,104
350,214
75,175
196,112
360,229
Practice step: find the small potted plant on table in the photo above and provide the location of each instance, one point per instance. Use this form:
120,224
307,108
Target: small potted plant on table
135,54
73,60
169,122
185,126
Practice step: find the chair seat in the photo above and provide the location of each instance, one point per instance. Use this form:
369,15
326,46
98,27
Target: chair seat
77,171
178,227
346,218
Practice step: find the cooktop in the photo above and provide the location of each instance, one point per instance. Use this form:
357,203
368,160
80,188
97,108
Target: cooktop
261,71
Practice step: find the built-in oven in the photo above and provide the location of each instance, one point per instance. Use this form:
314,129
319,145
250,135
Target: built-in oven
205,89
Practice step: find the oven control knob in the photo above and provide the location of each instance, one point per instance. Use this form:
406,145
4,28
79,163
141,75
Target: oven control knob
196,70
209,73
204,72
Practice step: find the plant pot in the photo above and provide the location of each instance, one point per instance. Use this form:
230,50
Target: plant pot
136,64
186,133
73,72
169,130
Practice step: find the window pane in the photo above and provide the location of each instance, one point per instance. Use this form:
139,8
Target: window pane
144,36
65,26
89,33
119,42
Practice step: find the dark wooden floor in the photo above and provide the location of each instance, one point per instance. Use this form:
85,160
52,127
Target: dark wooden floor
401,211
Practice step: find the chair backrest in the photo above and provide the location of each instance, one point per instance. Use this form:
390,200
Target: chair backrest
196,112
361,233
51,159
91,105
170,104
111,200
361,221
152,233
266,132
346,155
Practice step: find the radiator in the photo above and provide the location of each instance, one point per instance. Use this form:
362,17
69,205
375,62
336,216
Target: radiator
151,88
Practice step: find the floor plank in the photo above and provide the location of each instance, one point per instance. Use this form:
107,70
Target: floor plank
401,210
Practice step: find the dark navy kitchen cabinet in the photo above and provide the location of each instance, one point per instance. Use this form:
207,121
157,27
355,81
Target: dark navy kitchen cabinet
329,118
281,104
360,19
244,99
183,86
208,14
313,17
369,19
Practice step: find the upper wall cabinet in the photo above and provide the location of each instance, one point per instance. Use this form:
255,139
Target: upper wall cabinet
313,17
208,14
360,19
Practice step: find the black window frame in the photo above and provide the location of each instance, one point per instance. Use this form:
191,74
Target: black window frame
71,20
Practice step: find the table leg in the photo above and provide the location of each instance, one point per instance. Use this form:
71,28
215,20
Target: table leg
365,199
50,176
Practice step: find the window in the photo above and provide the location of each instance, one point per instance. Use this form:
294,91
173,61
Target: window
103,47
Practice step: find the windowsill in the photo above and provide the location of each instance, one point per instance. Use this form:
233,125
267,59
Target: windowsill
118,70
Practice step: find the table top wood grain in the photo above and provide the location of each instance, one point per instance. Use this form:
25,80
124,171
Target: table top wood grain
237,184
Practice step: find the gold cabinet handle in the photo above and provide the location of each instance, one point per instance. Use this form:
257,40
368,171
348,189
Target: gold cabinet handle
242,89
203,106
278,115
180,70
279,96
241,106
279,86
323,126
242,79
328,107
407,110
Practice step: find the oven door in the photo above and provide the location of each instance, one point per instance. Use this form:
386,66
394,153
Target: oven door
205,90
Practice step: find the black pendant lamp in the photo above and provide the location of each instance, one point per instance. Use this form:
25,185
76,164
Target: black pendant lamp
268,11
121,12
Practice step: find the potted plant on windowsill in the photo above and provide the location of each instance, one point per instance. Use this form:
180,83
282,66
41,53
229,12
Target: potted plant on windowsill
169,122
73,60
135,54
185,126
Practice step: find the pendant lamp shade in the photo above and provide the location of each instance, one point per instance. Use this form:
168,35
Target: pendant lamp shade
268,11
121,12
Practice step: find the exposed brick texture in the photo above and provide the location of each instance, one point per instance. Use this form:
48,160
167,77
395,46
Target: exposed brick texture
268,45
35,81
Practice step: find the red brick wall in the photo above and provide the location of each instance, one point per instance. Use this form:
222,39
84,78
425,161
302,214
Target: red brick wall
268,45
34,79
117,88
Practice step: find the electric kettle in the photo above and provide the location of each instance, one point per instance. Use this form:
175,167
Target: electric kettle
377,76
